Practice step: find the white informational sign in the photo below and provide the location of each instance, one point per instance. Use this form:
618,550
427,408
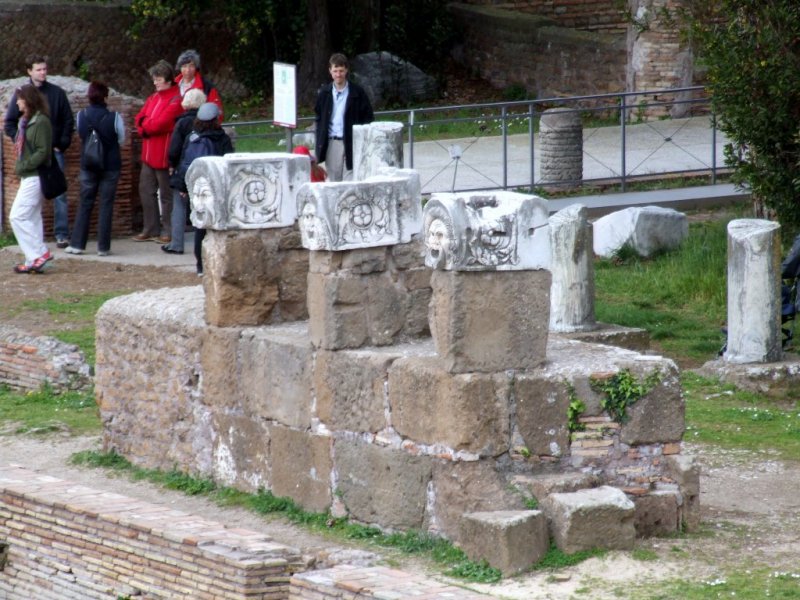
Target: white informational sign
284,95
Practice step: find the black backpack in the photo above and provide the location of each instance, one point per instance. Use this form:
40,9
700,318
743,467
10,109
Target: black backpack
94,155
196,146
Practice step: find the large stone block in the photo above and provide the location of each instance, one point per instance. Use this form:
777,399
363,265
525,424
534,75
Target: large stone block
246,190
646,229
657,514
301,467
382,485
656,417
466,412
464,487
351,310
490,321
598,518
244,278
542,413
382,211
350,389
509,540
241,451
276,373
486,231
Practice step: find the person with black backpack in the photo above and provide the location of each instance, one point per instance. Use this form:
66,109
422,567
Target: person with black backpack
102,132
206,139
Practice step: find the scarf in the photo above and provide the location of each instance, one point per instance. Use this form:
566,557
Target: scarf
19,141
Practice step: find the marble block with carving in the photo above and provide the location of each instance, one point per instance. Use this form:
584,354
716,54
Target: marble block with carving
246,190
375,146
380,211
486,231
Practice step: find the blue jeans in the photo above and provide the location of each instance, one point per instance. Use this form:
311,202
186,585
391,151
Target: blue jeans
179,207
92,183
61,215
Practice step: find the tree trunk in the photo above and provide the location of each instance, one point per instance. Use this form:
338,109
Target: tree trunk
313,68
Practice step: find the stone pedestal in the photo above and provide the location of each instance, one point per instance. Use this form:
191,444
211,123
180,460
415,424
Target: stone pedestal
572,268
754,298
490,321
254,277
561,147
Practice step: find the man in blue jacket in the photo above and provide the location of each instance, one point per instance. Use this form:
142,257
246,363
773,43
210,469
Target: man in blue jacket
63,126
340,105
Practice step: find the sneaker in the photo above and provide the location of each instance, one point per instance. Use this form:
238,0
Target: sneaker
164,239
143,237
62,242
199,273
169,250
71,250
103,252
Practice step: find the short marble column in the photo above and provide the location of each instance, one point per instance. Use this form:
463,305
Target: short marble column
490,308
561,147
367,285
376,146
255,267
572,268
754,298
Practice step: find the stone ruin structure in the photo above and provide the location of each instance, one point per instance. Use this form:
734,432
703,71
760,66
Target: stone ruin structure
394,365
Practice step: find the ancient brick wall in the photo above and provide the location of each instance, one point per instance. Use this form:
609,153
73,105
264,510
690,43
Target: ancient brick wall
589,15
27,362
506,48
127,206
66,541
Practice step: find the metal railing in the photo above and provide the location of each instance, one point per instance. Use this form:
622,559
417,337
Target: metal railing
626,136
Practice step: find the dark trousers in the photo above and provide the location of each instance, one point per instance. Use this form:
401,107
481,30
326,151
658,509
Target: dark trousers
152,184
93,183
199,236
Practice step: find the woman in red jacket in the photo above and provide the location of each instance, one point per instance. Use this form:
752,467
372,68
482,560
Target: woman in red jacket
154,124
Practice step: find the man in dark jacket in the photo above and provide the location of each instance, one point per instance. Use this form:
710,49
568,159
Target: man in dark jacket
63,127
340,105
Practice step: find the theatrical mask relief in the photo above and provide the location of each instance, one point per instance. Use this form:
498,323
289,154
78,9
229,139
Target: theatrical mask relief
380,211
246,191
486,231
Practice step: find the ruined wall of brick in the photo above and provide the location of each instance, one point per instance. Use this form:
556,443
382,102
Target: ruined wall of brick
127,206
589,15
67,541
506,47
386,435
27,362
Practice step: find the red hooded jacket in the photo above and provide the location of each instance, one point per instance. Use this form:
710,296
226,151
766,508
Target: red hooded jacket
209,89
154,124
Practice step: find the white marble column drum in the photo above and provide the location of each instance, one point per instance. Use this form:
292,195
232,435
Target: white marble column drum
754,298
572,268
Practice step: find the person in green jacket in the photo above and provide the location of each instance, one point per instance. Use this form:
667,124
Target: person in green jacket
33,146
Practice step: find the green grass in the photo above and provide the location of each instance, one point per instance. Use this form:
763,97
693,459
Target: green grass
743,585
7,239
679,296
727,417
438,549
46,411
